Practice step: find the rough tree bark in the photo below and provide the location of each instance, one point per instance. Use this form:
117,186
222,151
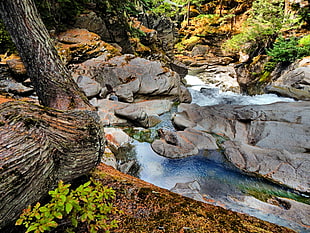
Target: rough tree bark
38,147
41,145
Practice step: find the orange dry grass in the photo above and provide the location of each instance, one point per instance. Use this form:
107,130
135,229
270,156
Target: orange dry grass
4,99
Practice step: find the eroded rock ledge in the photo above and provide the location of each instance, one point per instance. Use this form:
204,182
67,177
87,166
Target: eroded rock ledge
271,141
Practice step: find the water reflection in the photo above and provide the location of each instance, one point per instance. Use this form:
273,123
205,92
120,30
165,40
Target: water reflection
216,176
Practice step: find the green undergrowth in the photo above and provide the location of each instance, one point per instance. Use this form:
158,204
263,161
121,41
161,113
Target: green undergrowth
287,50
220,139
6,43
86,207
265,77
145,135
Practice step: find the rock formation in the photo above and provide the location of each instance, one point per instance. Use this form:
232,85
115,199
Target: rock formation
267,140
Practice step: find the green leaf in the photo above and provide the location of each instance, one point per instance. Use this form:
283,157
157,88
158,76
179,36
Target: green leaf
93,229
37,205
83,199
74,222
86,184
19,222
43,228
51,193
44,209
58,215
63,198
84,217
68,208
32,228
90,215
52,224
37,215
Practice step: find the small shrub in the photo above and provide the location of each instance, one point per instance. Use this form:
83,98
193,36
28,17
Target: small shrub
270,66
305,41
289,50
267,18
6,43
86,205
284,50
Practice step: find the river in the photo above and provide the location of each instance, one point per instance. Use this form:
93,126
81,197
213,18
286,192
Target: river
208,175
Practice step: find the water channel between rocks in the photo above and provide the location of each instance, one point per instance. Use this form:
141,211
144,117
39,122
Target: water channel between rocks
209,177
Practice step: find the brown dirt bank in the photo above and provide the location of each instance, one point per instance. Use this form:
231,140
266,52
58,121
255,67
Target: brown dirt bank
147,208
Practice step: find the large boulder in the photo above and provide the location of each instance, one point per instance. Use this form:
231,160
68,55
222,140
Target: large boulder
134,79
294,82
247,76
145,114
224,77
160,36
13,76
10,85
183,143
15,65
267,140
93,23
284,167
90,87
294,213
77,45
278,125
141,79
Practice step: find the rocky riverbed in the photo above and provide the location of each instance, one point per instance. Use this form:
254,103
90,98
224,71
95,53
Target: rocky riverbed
267,141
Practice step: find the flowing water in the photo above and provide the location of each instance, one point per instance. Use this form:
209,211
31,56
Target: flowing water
210,95
214,179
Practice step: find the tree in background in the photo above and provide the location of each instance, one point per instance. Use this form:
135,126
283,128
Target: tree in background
53,84
267,18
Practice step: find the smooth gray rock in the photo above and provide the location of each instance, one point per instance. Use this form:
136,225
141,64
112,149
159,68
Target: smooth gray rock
279,125
272,140
183,143
288,91
292,82
189,189
135,115
9,85
90,87
281,166
133,78
295,214
145,114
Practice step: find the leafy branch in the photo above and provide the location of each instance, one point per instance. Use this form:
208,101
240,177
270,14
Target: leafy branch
88,204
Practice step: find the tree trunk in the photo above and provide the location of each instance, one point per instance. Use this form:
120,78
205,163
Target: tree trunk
221,7
188,12
38,147
53,84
